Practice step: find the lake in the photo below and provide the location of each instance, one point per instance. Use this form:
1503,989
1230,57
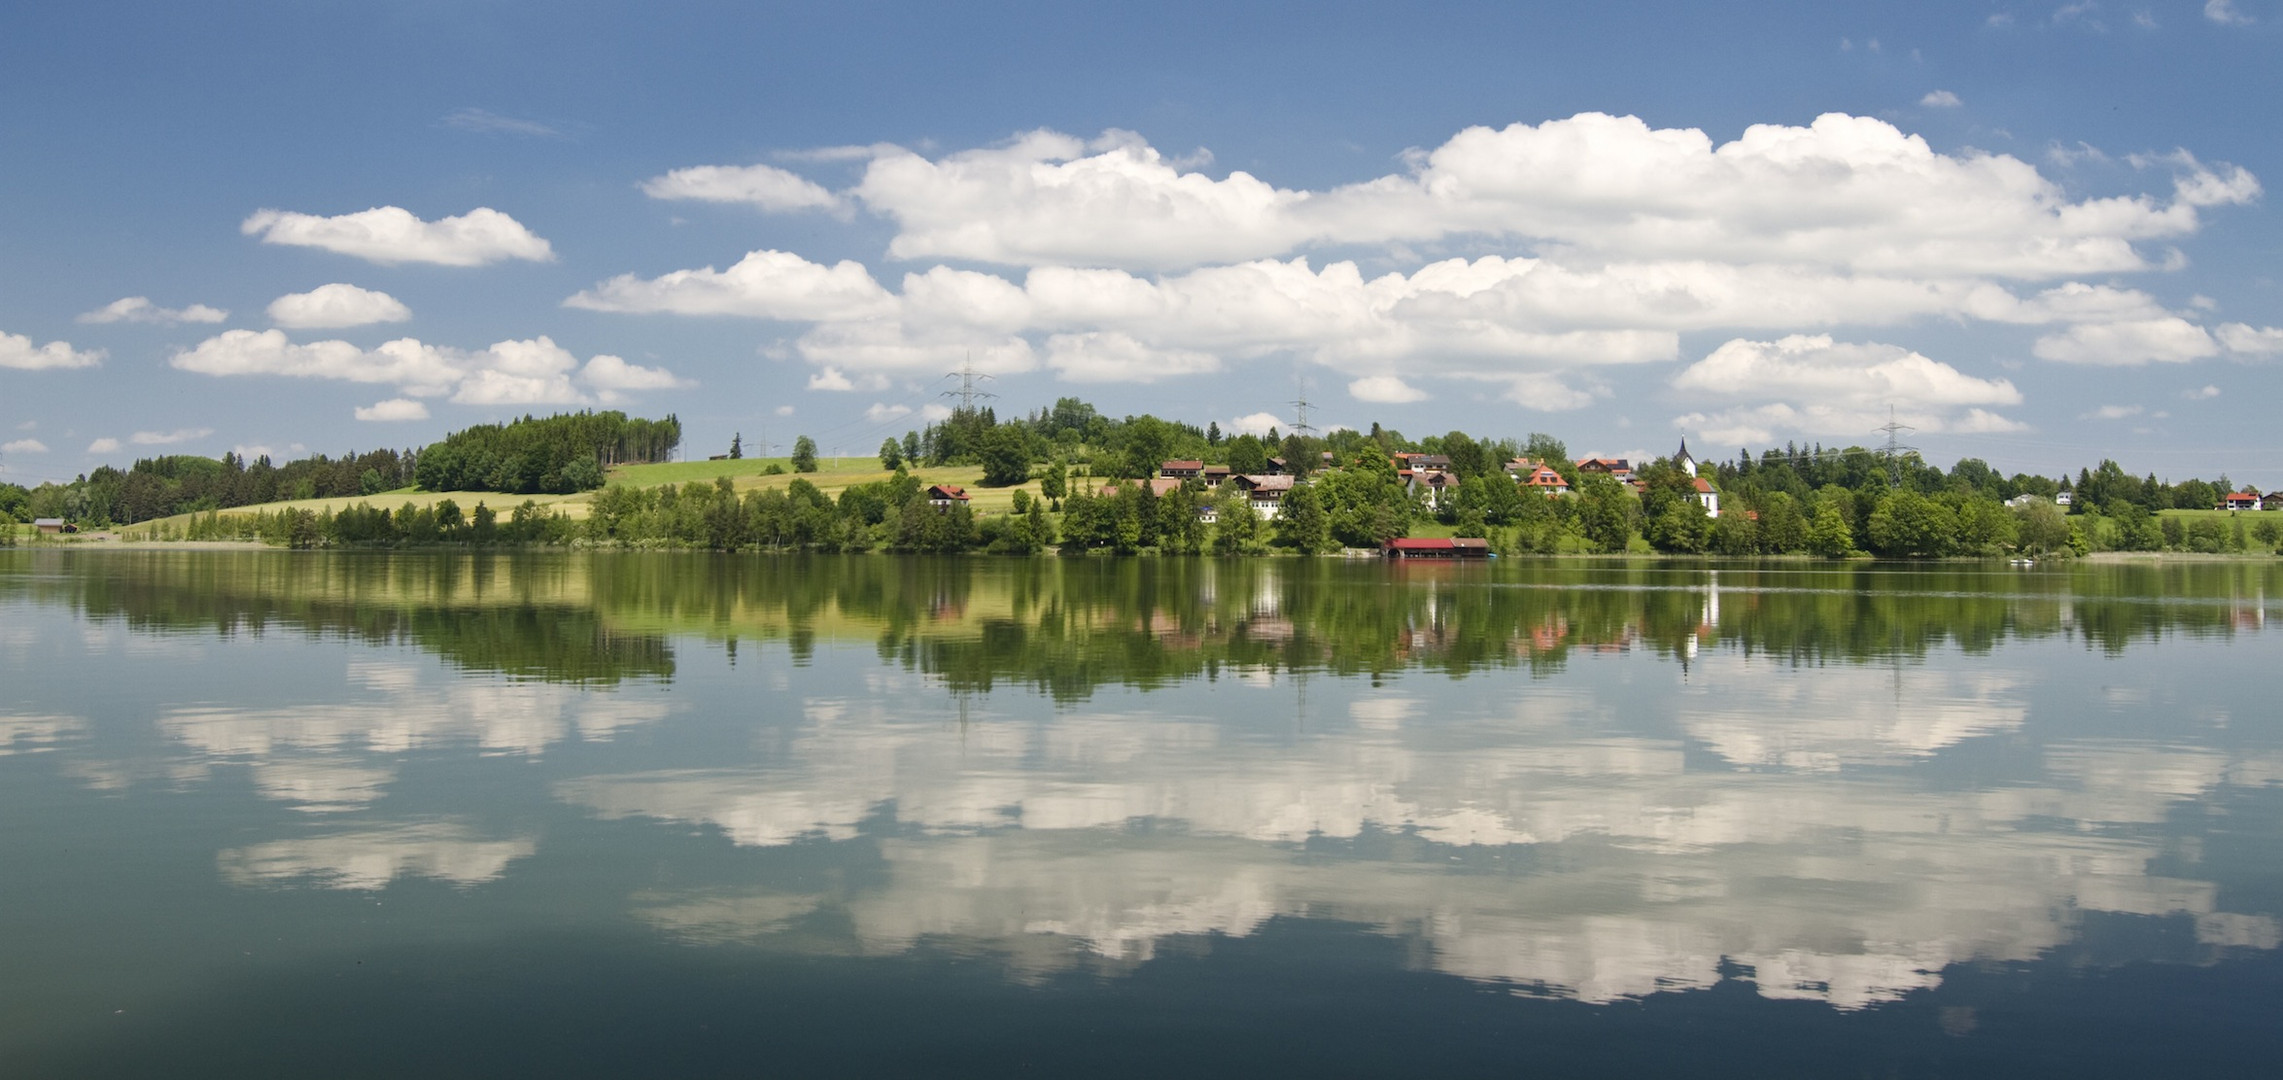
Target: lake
320,814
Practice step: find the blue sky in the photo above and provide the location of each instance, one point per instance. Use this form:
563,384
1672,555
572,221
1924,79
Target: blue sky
2039,233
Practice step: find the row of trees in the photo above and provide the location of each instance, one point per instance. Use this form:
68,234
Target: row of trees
183,483
557,454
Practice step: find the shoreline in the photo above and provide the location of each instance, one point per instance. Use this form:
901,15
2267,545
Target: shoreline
109,542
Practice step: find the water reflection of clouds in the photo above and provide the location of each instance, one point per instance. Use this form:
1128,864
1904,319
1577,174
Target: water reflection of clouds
371,858
1824,719
1827,880
31,734
337,756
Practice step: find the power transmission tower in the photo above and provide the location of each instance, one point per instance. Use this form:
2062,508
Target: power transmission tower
967,392
1894,449
1300,407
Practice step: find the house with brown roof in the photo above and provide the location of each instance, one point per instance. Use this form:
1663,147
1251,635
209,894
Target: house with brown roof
1459,547
52,526
1181,470
1706,495
1537,476
1264,493
945,496
1617,469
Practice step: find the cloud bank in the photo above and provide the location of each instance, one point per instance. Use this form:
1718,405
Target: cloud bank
1594,243
529,372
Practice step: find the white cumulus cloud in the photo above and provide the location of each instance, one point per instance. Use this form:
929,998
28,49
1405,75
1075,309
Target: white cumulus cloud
2252,340
104,446
1940,99
393,409
881,412
139,309
535,371
1257,423
2129,343
1385,390
334,306
392,234
2114,412
17,351
1814,385
1111,356
764,186
24,446
168,438
763,285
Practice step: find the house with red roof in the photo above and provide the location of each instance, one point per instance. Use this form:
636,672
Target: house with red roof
2240,500
945,496
1459,547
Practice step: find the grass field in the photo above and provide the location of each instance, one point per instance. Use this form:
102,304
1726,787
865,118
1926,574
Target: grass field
2251,517
574,505
833,475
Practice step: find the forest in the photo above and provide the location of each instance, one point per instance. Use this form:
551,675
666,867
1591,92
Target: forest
554,454
1089,470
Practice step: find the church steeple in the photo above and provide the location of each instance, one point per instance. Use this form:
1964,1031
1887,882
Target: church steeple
1682,459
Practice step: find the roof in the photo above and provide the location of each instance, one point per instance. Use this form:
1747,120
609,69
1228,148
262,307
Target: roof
1605,464
946,491
1456,543
1702,484
1266,483
47,522
1191,466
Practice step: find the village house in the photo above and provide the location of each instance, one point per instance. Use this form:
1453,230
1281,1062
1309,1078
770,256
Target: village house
2066,498
52,526
2240,500
945,496
1706,496
2273,501
1428,486
1617,469
1182,470
1265,493
1537,476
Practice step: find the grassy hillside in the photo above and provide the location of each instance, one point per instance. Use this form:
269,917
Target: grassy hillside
574,505
832,476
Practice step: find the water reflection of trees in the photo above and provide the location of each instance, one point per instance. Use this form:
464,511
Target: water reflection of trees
1067,627
527,617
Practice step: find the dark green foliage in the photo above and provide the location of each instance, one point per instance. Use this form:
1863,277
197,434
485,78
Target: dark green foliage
804,454
556,454
1006,456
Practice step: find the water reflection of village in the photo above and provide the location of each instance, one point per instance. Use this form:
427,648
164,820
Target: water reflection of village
1626,784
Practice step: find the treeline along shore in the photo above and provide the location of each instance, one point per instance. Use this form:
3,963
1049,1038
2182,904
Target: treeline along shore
1070,480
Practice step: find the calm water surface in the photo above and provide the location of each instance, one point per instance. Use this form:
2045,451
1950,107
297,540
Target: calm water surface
270,813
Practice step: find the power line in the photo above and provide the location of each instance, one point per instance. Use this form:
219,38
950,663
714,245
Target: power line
967,392
1300,407
1894,449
